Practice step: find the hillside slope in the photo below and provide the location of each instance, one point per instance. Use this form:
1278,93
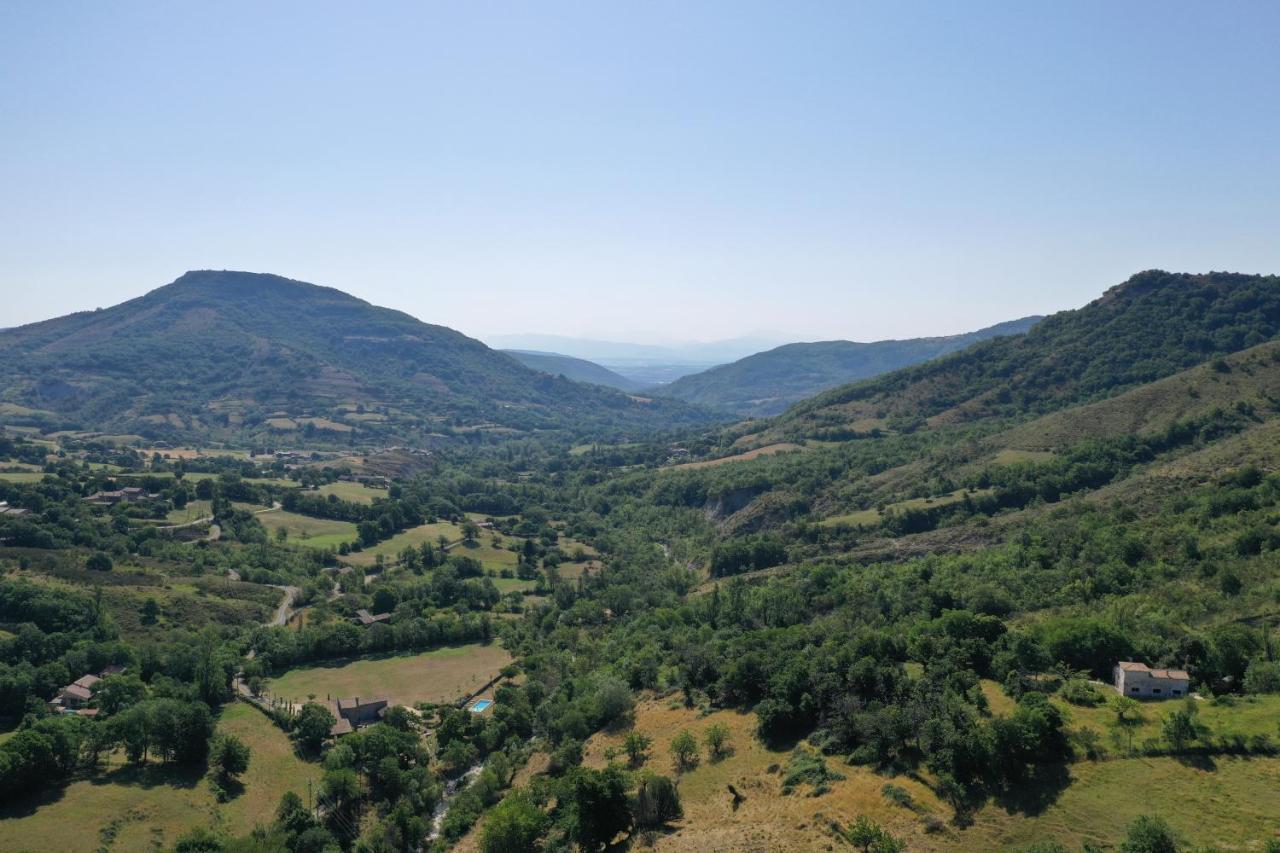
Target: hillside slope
766,383
219,354
577,369
1151,326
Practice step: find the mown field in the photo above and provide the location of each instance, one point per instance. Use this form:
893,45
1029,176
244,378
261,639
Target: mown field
355,492
125,808
305,530
442,675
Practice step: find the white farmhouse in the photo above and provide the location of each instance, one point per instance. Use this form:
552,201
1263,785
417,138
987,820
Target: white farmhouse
1139,681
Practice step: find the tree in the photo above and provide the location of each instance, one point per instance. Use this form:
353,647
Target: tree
98,562
514,825
717,739
150,611
637,746
597,806
470,530
228,758
1183,727
657,801
1149,835
684,749
313,725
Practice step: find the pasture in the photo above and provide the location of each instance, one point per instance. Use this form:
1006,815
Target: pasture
440,675
870,517
126,808
767,450
415,537
305,530
21,476
354,492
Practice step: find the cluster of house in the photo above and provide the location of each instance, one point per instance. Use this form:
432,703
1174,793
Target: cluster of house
73,698
129,494
1140,681
364,617
352,714
11,511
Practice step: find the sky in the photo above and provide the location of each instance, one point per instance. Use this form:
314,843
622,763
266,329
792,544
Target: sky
657,171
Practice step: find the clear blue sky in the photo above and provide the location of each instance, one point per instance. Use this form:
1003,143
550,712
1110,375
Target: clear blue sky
690,170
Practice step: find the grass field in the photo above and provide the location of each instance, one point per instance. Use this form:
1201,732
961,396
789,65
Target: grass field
767,450
305,530
1231,802
22,476
868,517
415,536
1011,456
274,767
442,675
124,808
356,492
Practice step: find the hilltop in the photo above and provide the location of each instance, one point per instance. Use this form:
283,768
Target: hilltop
226,354
767,382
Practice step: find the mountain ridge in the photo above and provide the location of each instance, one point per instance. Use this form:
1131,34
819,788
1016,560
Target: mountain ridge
765,383
224,350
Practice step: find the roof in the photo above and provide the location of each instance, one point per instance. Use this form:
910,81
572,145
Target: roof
86,681
77,691
367,618
356,703
342,727
1174,674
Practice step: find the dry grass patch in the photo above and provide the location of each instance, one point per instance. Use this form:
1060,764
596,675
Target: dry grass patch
767,450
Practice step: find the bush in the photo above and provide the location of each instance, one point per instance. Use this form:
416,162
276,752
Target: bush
1262,677
657,802
1077,691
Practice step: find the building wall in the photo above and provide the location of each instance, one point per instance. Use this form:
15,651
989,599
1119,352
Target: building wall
1140,685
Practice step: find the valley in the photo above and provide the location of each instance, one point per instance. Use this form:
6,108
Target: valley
894,609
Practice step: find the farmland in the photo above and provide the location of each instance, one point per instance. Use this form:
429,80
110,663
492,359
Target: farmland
305,530
442,675
355,492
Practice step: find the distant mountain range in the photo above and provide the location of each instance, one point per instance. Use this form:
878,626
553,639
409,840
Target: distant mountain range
767,382
610,353
221,355
577,369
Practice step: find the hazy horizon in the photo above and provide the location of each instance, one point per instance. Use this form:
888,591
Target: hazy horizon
695,172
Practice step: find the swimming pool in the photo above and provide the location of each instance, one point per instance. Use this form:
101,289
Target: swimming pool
480,706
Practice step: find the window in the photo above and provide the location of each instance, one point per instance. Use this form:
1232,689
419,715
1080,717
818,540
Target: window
1176,692
1133,690
1155,689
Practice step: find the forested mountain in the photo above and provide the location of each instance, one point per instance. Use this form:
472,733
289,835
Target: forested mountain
231,354
767,382
1151,326
577,369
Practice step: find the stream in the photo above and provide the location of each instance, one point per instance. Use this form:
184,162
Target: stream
451,790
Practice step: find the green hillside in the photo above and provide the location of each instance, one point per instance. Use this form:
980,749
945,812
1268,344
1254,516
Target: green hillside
233,354
1151,326
577,369
766,383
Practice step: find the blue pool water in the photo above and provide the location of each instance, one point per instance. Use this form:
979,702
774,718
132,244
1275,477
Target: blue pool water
480,706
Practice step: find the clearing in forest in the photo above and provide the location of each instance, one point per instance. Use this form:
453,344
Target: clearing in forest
441,675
